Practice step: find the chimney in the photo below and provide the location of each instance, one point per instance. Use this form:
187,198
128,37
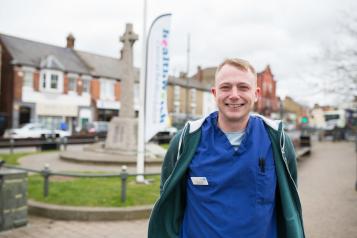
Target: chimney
199,74
183,75
70,41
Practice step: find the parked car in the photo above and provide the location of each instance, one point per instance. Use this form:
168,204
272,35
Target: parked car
34,130
97,128
164,136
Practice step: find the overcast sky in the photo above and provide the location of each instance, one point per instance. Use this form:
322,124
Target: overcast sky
286,34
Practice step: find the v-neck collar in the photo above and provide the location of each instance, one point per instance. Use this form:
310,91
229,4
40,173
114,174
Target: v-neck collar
246,141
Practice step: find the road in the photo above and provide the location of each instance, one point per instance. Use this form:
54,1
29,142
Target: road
326,187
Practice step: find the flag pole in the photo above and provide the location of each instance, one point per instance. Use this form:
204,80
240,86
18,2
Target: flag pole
140,164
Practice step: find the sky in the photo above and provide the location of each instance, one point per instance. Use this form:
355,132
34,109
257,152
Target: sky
288,35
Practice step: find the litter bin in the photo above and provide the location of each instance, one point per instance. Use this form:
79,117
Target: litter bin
305,138
49,144
13,198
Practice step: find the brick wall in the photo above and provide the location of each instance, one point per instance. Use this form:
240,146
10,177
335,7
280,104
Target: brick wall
95,89
199,102
18,77
183,93
7,92
79,86
170,98
117,90
36,81
65,83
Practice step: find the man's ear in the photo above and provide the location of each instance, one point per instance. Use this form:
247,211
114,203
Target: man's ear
213,91
257,94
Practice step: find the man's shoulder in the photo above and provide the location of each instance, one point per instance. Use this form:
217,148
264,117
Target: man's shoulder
197,124
273,124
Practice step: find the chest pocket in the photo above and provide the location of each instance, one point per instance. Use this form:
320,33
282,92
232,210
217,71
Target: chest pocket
266,181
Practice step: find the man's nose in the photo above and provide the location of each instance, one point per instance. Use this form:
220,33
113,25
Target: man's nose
234,93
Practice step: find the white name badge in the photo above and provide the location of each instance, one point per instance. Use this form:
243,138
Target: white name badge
199,180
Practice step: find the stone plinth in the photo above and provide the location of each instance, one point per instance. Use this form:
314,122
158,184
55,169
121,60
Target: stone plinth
122,135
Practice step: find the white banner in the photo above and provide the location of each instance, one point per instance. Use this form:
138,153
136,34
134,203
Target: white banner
157,72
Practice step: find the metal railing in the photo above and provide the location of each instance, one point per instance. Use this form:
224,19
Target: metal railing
51,142
46,173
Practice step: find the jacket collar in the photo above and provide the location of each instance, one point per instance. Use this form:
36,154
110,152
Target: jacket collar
274,124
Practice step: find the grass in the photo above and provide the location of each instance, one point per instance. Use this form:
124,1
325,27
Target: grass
13,159
103,192
165,146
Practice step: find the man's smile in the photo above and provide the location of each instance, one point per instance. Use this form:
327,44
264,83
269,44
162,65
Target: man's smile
235,105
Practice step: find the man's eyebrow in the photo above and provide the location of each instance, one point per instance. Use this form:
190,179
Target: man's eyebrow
229,83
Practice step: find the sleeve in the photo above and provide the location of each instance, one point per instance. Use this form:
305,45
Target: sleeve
169,160
291,158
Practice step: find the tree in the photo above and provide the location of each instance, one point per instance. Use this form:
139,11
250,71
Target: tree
340,59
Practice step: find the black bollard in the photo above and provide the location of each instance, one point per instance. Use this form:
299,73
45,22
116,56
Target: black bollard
64,141
123,176
46,172
12,142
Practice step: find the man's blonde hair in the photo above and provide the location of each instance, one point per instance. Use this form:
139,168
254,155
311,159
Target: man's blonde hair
241,64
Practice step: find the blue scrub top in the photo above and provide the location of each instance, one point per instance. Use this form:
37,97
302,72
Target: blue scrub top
231,193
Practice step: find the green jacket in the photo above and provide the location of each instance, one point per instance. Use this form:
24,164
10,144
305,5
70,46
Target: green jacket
167,214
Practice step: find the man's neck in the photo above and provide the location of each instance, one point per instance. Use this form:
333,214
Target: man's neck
232,125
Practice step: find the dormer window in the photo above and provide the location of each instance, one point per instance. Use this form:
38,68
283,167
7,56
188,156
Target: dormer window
54,81
51,81
51,75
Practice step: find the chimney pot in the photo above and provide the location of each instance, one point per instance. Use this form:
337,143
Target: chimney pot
70,41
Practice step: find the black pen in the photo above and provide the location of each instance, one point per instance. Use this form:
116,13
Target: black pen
262,165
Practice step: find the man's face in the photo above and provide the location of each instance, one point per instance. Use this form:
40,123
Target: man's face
235,92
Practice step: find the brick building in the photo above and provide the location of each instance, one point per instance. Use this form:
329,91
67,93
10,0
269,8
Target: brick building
268,102
50,84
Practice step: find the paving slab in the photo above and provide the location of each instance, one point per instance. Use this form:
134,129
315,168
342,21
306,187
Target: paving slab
46,228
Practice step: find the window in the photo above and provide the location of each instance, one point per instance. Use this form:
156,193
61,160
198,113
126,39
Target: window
107,89
86,85
54,81
44,81
264,88
193,101
72,84
176,92
193,95
28,79
51,81
177,107
176,99
50,122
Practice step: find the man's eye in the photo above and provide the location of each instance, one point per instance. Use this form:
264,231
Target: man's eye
224,88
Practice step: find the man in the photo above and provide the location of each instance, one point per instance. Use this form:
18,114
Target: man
231,174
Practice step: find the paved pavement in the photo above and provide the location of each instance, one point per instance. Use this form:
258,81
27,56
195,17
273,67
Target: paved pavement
46,228
326,182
